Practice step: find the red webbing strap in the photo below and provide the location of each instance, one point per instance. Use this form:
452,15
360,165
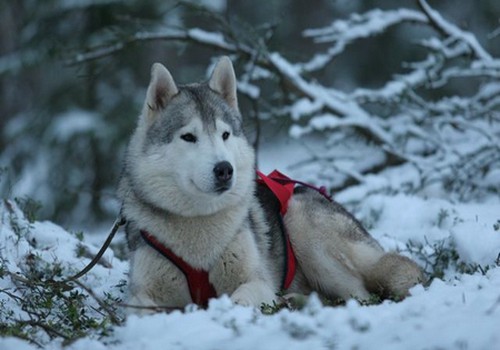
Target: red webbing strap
200,287
291,262
283,192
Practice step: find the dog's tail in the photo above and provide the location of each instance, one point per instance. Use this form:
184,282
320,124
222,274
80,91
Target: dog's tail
393,275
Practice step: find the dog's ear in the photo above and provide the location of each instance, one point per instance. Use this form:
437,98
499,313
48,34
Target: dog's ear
223,81
161,89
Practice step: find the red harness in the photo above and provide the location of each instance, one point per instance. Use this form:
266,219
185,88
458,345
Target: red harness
282,187
200,288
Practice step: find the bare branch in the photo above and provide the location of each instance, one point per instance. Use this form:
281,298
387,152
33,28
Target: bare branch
414,120
448,29
110,312
152,308
195,35
358,26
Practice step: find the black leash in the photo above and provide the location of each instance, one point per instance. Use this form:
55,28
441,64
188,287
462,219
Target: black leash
120,221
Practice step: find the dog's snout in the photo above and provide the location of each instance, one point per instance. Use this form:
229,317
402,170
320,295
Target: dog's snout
223,171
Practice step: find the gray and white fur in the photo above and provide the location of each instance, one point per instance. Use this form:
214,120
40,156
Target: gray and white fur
189,180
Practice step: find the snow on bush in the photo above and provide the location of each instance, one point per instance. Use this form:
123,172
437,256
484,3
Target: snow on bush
37,303
439,113
419,168
458,245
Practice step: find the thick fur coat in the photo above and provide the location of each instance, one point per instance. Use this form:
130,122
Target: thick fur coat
189,180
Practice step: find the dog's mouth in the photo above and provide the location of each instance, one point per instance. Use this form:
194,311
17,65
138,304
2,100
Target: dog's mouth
217,189
222,188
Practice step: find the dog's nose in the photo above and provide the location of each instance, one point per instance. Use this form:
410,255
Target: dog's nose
223,171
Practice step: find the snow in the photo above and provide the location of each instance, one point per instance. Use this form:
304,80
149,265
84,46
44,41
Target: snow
458,311
455,32
216,5
304,106
336,101
475,241
68,125
367,24
344,32
212,38
248,89
460,308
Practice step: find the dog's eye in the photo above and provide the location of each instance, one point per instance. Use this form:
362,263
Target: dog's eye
225,135
189,137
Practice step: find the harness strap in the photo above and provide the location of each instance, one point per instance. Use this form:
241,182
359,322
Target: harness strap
277,179
199,285
282,187
283,193
200,288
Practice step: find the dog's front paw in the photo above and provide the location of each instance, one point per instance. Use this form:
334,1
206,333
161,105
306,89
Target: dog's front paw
253,294
242,301
141,305
243,296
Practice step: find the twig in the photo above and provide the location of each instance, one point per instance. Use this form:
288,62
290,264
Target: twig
48,329
195,35
357,27
152,308
11,295
112,315
28,339
448,29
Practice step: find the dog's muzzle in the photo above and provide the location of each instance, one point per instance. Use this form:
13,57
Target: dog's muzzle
223,172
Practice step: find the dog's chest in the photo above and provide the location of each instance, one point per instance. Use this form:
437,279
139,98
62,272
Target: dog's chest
200,241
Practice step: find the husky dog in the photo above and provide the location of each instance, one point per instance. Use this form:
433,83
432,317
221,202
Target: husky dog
189,181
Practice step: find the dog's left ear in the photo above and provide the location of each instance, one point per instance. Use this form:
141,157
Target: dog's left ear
161,90
223,81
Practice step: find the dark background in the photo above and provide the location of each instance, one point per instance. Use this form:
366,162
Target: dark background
64,125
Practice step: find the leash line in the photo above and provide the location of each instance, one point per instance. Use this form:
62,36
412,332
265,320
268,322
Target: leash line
120,221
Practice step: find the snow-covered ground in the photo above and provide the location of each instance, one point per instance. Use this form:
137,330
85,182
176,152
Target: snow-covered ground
457,311
456,241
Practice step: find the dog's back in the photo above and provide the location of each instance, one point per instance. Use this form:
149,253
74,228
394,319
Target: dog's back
189,182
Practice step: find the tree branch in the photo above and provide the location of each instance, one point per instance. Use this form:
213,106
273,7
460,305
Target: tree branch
447,29
195,35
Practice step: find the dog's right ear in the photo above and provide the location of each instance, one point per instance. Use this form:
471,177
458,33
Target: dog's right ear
223,81
160,91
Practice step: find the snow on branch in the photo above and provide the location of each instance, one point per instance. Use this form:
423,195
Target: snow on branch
445,139
398,121
358,26
453,31
195,35
333,100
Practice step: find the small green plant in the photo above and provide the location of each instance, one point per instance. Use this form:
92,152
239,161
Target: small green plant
373,217
39,304
496,225
79,235
374,299
268,309
29,206
442,216
81,251
65,310
334,302
18,223
299,302
439,257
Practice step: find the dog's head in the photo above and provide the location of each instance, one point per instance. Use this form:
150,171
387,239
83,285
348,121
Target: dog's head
189,154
